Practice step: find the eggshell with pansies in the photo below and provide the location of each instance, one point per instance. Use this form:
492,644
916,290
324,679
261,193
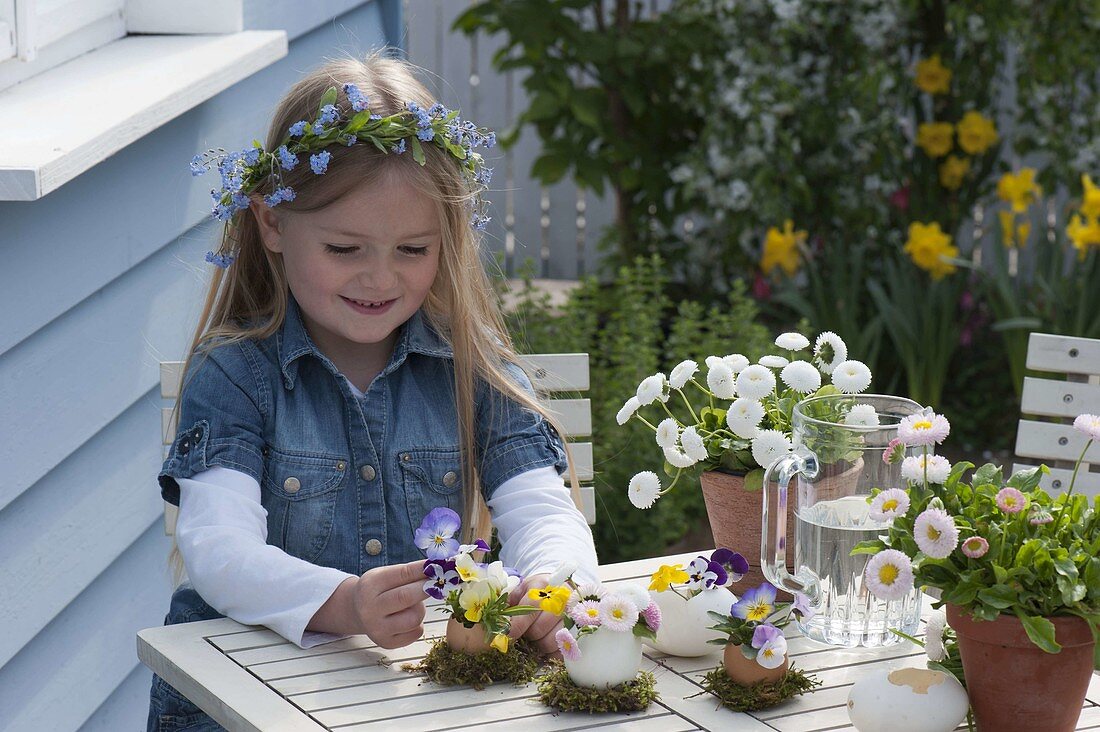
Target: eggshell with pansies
907,700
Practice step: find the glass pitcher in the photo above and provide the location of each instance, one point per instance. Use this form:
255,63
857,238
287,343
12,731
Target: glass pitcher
835,465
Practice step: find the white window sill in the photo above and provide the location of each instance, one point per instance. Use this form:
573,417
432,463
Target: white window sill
62,122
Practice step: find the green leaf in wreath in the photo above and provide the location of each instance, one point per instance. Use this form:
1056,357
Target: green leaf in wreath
418,151
328,98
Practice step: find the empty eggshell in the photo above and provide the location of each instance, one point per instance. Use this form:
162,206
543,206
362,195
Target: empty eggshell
907,700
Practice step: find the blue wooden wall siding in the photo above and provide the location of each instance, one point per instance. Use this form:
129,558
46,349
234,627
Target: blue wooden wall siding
99,281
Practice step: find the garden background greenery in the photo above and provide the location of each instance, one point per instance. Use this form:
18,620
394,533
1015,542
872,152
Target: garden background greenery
914,175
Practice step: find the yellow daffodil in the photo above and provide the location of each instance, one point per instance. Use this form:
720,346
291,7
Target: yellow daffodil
928,246
781,249
1019,189
666,575
1090,201
953,171
1084,233
935,138
551,599
1013,234
932,76
500,642
976,133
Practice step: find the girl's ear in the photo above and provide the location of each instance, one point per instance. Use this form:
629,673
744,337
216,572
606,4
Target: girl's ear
269,222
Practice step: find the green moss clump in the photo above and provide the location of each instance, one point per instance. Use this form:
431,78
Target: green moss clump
447,667
557,690
758,696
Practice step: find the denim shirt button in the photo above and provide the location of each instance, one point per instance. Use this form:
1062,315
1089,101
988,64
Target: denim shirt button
450,478
406,457
374,547
292,484
367,472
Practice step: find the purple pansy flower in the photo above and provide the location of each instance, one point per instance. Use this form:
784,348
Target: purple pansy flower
478,546
435,537
736,566
764,633
801,605
704,574
756,604
441,576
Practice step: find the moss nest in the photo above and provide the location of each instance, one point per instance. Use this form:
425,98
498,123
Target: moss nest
758,696
447,667
557,690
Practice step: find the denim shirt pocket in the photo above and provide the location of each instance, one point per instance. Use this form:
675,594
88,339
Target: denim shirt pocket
432,477
301,491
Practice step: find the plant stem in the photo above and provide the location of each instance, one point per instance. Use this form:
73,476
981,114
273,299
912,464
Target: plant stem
690,409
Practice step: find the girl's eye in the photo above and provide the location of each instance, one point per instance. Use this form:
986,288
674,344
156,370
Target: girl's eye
415,251
333,249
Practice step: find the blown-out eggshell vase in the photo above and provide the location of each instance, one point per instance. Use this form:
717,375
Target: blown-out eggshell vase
608,658
685,624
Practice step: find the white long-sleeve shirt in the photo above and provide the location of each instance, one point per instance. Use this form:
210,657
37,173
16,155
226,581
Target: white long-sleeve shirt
221,531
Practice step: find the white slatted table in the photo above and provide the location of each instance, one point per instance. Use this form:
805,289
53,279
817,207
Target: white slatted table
249,678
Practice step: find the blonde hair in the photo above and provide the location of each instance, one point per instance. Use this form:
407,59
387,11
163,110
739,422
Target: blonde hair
248,300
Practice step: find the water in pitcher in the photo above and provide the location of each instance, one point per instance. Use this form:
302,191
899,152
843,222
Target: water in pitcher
848,615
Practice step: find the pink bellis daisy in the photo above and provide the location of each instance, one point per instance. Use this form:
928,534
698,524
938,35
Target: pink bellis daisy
889,504
1010,500
926,428
1089,425
652,616
975,547
585,613
889,575
936,533
567,644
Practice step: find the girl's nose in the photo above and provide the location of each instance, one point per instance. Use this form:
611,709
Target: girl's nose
378,277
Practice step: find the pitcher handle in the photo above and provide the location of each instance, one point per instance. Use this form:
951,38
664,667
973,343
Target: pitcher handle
773,532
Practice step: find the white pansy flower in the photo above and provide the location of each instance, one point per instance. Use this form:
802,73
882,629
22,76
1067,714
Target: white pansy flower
651,389
852,377
768,446
627,411
668,433
773,362
829,352
720,380
736,362
677,458
755,382
682,373
743,417
792,341
644,489
692,443
801,376
862,415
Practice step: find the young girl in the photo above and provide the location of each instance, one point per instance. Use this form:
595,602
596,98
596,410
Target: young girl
350,373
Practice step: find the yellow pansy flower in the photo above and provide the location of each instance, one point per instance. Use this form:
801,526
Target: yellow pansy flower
1083,233
474,598
781,249
500,642
1019,189
932,76
952,172
928,246
551,599
976,133
935,138
1090,201
666,575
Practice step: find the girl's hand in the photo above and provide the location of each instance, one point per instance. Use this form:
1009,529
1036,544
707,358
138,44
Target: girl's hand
387,603
538,627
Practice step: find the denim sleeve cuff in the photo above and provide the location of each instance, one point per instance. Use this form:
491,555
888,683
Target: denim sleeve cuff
513,457
193,451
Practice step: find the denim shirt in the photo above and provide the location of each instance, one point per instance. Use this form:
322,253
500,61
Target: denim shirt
346,480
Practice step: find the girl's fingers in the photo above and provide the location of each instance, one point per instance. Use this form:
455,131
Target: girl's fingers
405,620
401,597
545,624
520,625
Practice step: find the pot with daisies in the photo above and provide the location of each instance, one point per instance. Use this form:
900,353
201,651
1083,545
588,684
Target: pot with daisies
602,629
726,422
686,596
1018,571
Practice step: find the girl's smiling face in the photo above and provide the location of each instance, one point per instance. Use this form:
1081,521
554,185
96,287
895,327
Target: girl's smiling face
359,267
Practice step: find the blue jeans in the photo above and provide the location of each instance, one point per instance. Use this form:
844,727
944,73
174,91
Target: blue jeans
169,710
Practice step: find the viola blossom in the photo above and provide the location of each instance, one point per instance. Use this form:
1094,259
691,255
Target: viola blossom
668,432
692,443
975,547
567,644
652,616
851,377
1088,425
773,362
550,599
499,643
894,452
469,570
704,574
829,352
475,596
651,389
564,571
801,605
644,489
935,466
442,577
768,446
801,376
1010,500
936,533
756,604
735,565
889,504
627,411
477,546
666,576
586,613
744,416
755,382
771,645
926,428
721,381
889,575
933,636
435,537
862,415
792,341
682,373
618,614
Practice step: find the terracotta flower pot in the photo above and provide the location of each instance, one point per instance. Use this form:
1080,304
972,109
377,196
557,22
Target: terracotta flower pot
466,640
1016,686
746,671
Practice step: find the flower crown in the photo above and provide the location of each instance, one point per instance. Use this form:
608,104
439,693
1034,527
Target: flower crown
245,171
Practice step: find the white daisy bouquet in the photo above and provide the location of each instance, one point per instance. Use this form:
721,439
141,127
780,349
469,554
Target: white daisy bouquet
991,546
746,423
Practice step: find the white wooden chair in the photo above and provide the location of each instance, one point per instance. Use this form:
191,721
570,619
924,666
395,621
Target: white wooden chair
1053,440
549,373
